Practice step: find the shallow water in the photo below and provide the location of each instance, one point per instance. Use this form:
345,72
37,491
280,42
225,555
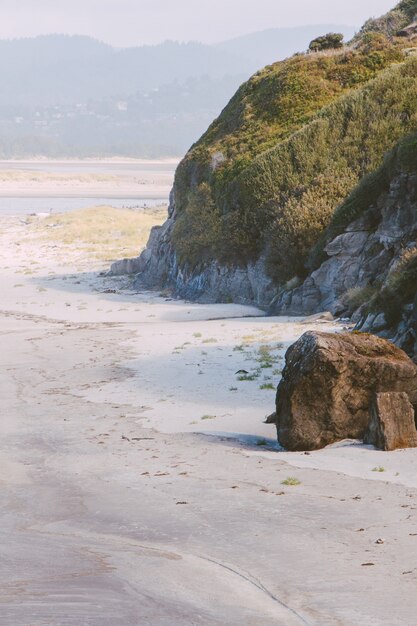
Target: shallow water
154,179
93,167
26,206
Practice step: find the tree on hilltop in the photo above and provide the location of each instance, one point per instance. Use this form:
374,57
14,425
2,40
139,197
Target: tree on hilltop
327,42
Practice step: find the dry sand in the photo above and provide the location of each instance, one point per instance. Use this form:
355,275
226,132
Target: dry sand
122,506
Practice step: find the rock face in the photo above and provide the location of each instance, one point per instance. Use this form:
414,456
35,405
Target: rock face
328,385
158,267
365,256
251,196
367,249
409,31
258,218
392,425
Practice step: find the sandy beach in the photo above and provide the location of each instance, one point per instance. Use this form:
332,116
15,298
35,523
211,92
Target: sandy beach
139,484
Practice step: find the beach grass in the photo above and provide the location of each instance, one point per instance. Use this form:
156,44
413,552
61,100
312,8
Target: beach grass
103,232
291,482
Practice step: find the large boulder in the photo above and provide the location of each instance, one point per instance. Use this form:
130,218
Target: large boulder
328,385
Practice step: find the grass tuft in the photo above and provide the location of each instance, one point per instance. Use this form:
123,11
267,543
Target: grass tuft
291,482
268,386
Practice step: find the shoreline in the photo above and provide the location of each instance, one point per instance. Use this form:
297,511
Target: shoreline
97,194
86,179
91,161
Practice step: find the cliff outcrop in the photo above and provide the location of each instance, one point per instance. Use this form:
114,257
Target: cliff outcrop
369,252
253,215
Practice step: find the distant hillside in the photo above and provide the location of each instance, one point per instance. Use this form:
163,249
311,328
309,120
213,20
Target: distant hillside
162,122
63,70
72,95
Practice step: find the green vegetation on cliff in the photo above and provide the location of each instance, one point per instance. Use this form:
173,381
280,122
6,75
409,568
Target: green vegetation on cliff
399,289
402,159
390,23
291,145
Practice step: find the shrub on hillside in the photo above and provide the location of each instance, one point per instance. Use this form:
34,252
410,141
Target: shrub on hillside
330,41
399,289
356,297
393,21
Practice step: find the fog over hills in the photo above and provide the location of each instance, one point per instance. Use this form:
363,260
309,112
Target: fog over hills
62,69
75,96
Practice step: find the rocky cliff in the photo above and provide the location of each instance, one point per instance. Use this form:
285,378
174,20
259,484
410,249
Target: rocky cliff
369,271
255,196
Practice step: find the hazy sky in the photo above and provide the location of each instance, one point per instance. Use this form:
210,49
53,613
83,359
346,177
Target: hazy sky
134,22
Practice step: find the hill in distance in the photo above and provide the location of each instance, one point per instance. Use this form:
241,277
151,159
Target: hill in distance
75,96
